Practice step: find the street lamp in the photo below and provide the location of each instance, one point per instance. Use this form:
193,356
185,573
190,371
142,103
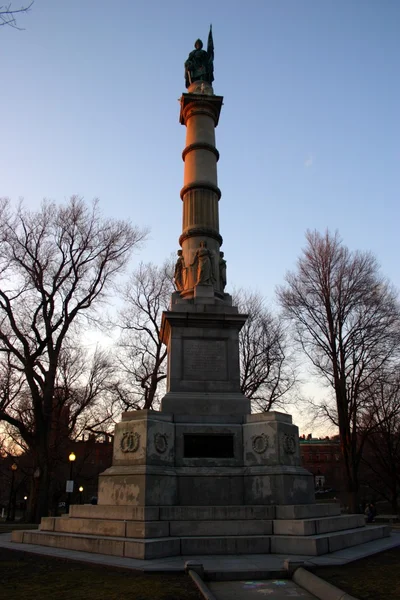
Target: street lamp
70,482
81,494
14,467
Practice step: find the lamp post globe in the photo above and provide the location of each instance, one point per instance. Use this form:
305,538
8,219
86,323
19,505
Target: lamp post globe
71,458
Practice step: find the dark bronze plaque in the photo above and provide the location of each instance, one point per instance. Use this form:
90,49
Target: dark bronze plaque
205,445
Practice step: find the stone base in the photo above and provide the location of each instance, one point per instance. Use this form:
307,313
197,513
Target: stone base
156,532
176,459
195,484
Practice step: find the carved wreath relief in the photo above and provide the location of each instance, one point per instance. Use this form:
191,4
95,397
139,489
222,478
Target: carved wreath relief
260,443
289,443
130,441
161,442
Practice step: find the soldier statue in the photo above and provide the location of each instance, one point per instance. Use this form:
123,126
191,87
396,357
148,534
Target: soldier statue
200,63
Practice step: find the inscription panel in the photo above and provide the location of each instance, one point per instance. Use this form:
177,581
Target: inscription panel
202,445
205,360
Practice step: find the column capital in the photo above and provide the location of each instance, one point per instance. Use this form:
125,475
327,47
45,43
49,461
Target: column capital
194,104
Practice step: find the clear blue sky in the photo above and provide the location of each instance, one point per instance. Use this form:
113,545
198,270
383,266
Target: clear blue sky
309,134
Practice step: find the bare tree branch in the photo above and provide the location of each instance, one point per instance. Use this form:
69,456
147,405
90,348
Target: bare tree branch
267,368
347,321
57,265
8,15
141,354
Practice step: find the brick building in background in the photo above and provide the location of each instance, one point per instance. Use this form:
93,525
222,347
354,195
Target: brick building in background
322,457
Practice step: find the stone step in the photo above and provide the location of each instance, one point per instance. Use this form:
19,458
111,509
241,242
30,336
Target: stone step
251,544
312,545
113,546
123,513
106,527
171,513
315,545
306,511
338,541
317,526
149,548
203,513
217,513
154,529
220,528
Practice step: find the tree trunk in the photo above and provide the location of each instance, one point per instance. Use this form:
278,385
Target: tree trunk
42,508
32,500
353,503
39,489
352,489
395,500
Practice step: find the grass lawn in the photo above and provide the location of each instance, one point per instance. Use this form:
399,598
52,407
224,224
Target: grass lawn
374,578
33,577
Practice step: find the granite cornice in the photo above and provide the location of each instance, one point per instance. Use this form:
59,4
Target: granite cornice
212,320
194,104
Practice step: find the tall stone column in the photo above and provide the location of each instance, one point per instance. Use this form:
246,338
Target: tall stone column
200,110
201,329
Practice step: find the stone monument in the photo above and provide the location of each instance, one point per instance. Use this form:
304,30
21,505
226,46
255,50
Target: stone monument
203,475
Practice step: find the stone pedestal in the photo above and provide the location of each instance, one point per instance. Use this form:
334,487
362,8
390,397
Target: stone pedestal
186,460
192,485
203,359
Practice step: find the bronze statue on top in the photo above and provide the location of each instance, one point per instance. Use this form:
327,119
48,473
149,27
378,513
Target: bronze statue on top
200,63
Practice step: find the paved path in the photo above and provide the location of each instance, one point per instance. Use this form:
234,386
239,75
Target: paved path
275,589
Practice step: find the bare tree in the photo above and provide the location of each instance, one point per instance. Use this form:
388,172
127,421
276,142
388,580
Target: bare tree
141,354
57,265
267,369
380,467
8,15
83,401
347,321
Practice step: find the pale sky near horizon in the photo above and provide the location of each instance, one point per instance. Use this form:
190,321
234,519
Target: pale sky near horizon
309,134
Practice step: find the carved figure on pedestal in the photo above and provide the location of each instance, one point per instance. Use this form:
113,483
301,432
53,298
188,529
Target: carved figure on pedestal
179,271
203,260
200,63
222,271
